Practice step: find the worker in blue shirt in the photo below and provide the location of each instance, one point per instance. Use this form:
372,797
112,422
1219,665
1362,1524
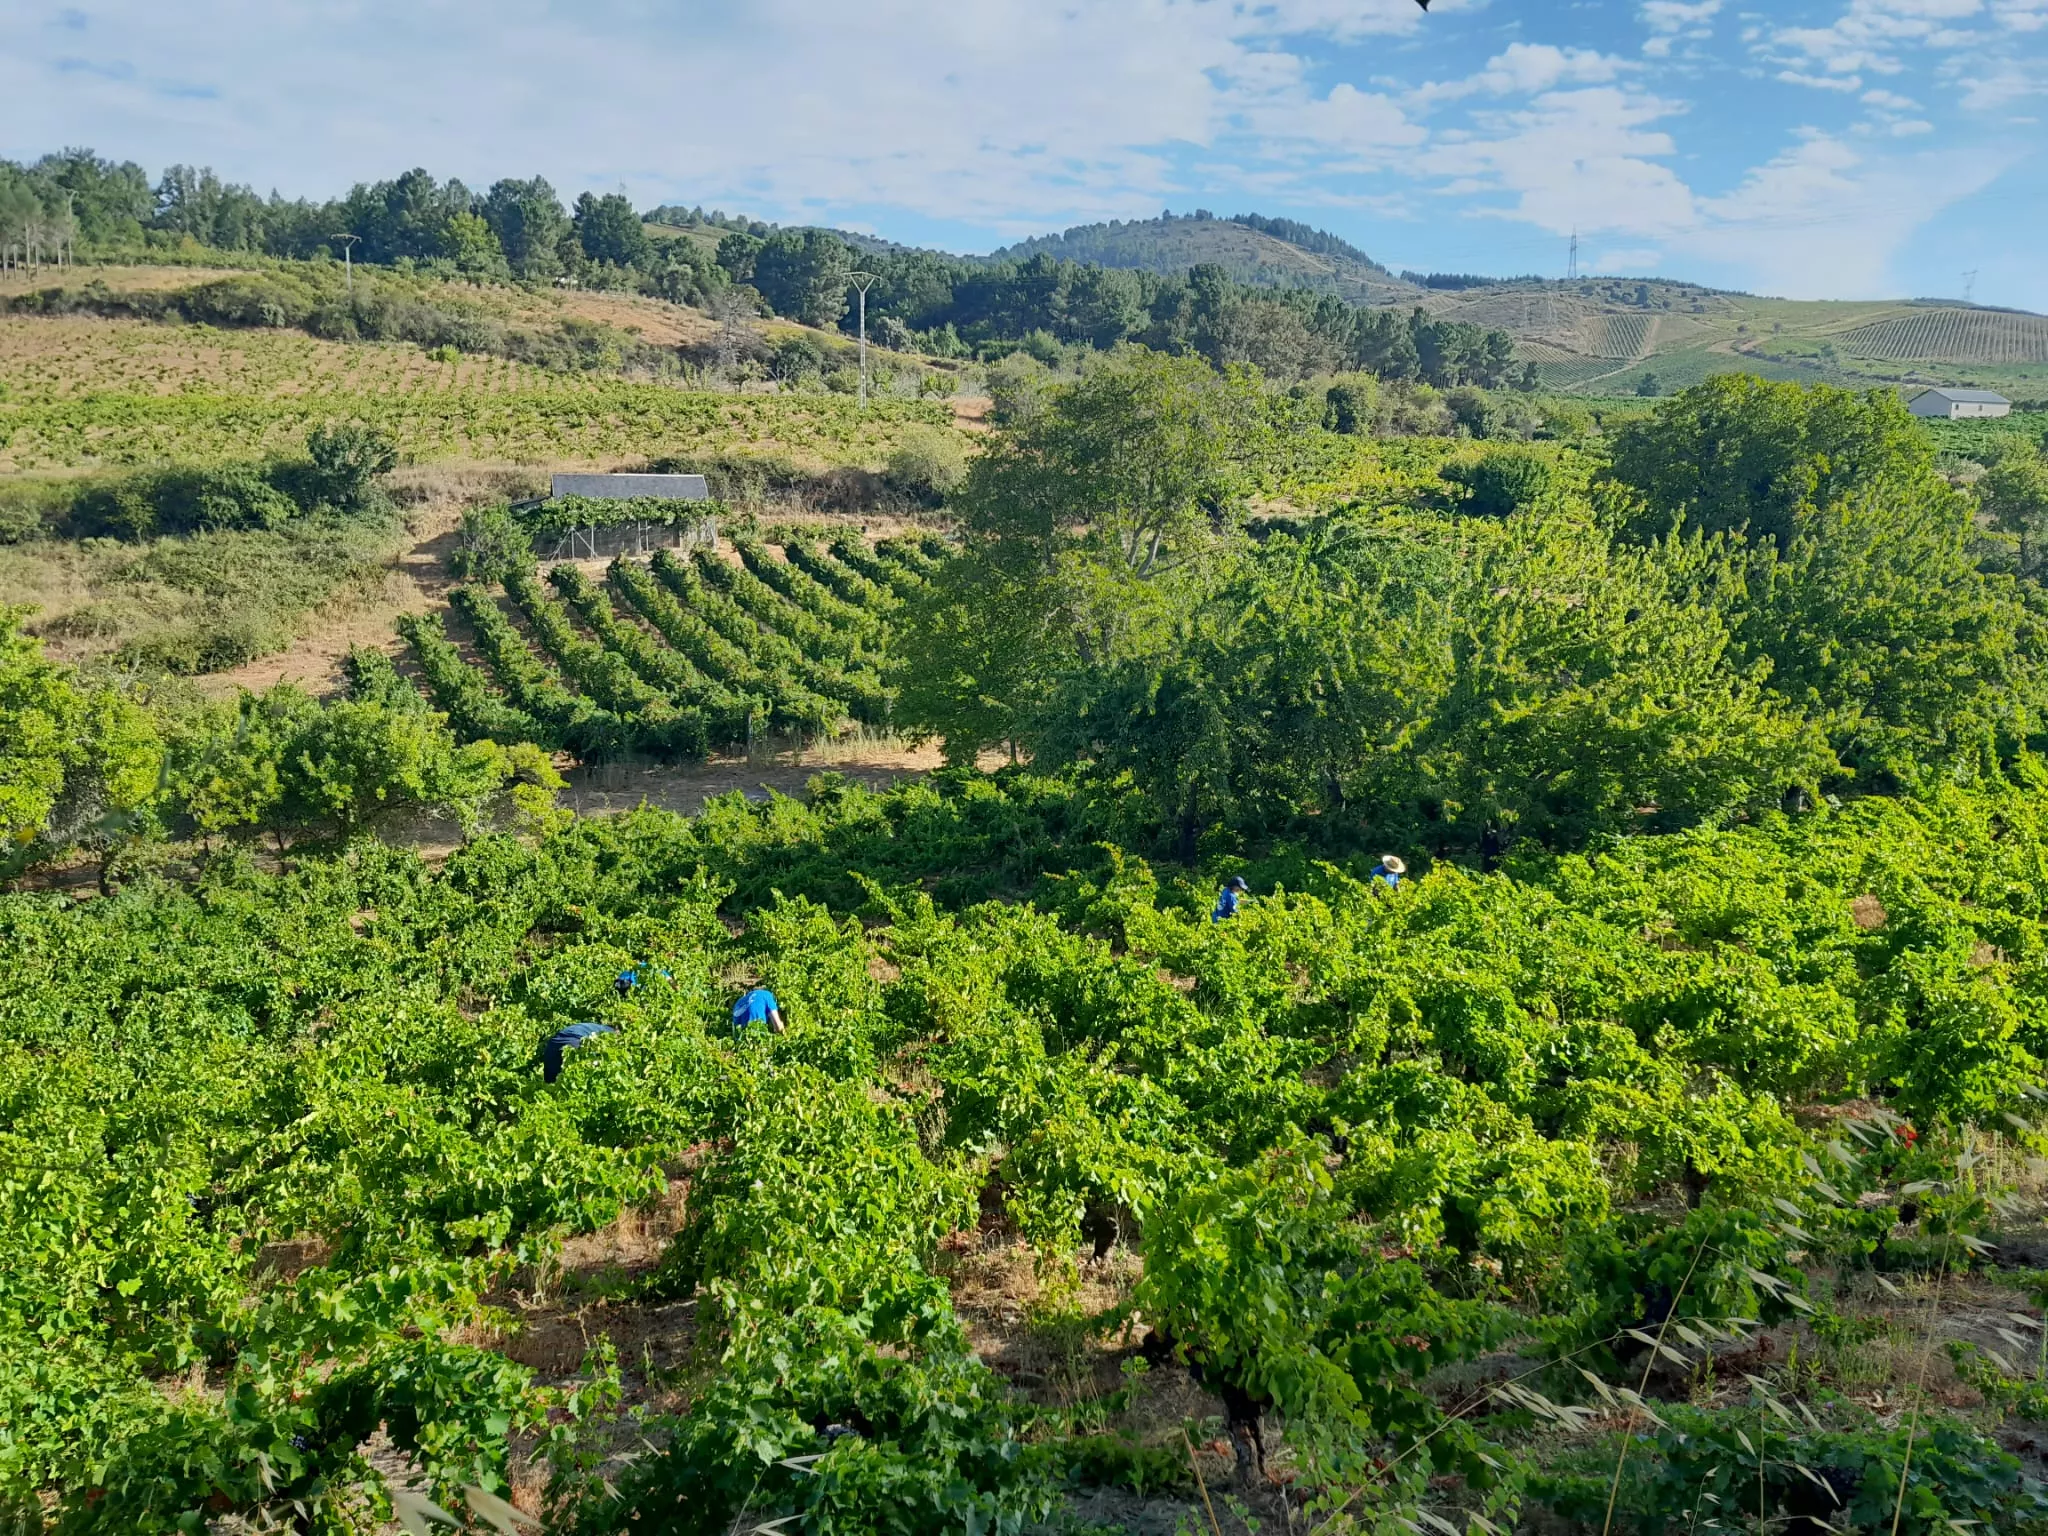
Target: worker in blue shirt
1388,872
565,1040
757,1007
1227,898
628,979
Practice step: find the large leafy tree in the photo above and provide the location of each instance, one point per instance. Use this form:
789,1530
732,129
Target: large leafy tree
1876,621
355,764
2014,496
1088,524
1137,468
1739,453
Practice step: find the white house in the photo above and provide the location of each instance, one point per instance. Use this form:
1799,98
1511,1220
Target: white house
1958,404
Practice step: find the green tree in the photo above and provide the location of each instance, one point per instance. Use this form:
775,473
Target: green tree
348,459
976,655
224,762
1129,466
492,541
803,274
1877,623
1351,405
1097,512
1741,453
1017,387
529,222
1500,481
470,242
736,253
1588,685
356,764
2014,496
608,229
929,463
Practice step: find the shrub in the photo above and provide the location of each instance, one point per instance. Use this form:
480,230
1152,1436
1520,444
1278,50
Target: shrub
491,543
172,501
1472,409
1351,405
1016,386
795,358
347,460
1500,481
929,463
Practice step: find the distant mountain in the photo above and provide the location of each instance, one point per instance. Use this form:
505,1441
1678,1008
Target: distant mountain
1276,253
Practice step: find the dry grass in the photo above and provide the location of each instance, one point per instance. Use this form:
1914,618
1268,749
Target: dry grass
157,279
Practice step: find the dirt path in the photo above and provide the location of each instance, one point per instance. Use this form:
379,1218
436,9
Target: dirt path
611,787
417,579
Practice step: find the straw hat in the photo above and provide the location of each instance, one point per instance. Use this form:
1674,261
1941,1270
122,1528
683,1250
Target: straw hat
1392,864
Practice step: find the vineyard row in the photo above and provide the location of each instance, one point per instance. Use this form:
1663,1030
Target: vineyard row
677,656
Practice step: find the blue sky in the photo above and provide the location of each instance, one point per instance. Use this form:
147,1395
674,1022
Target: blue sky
1826,148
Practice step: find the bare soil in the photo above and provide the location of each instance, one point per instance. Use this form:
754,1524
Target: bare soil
417,581
873,763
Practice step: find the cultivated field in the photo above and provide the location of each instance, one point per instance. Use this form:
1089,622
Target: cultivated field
675,657
1610,332
85,393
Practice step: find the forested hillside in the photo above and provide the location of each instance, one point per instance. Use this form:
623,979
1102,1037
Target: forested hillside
939,305
1278,253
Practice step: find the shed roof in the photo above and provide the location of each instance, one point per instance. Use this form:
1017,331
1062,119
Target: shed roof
1968,396
623,487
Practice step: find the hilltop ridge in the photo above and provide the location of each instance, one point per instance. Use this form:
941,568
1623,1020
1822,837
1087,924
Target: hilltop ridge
1250,248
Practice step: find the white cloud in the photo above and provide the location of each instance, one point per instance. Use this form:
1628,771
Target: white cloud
1994,87
1874,35
1822,82
979,122
1677,15
1823,220
1522,69
1006,112
1583,159
1674,21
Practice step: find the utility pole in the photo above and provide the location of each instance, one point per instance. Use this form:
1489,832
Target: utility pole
1969,284
1572,272
348,270
862,281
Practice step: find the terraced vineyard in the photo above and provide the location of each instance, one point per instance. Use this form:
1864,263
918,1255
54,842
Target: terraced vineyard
679,655
1955,335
